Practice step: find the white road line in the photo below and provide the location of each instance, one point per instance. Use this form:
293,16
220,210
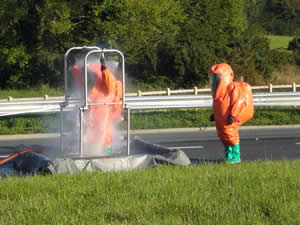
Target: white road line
186,147
297,143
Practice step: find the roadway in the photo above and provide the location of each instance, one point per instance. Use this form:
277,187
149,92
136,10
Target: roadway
256,143
268,143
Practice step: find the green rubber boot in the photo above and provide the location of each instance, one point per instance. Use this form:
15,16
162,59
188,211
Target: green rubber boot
228,154
236,153
109,150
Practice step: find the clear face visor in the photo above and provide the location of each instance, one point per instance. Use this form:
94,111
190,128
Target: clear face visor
214,80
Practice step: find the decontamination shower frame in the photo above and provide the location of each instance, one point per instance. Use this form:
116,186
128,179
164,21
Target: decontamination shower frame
85,107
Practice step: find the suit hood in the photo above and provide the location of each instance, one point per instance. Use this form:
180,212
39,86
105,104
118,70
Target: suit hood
225,74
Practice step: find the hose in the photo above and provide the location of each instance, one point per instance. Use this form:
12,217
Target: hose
14,155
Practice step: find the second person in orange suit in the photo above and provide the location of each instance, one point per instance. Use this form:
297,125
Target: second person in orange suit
232,106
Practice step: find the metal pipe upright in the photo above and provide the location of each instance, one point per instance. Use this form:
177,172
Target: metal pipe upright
81,124
61,128
128,130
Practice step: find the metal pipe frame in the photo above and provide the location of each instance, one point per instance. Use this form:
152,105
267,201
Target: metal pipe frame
84,107
86,104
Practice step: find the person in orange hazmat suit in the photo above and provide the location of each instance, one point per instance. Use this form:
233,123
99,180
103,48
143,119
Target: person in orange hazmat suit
98,126
232,106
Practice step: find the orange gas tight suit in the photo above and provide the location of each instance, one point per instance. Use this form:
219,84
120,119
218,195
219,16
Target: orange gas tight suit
232,106
98,125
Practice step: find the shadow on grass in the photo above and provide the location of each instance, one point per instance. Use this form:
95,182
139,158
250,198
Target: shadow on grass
206,161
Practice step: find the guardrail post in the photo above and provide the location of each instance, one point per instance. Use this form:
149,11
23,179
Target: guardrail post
294,87
270,88
195,90
168,91
139,93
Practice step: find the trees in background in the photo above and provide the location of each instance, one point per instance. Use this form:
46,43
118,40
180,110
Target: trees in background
172,44
141,28
278,17
34,36
166,43
204,39
294,45
14,56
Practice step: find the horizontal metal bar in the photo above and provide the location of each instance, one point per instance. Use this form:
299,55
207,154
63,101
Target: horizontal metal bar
146,102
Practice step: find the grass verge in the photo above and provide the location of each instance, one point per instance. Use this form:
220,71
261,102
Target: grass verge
153,120
248,193
29,124
279,42
32,92
199,118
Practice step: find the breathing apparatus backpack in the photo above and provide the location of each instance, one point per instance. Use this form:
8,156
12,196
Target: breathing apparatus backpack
241,101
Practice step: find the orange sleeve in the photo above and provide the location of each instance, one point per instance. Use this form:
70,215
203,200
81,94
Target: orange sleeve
97,90
117,109
119,89
109,81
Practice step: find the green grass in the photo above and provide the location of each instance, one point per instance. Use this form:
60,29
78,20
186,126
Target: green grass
248,193
152,120
28,124
279,42
199,118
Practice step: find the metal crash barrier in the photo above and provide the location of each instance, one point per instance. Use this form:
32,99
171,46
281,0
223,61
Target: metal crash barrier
52,104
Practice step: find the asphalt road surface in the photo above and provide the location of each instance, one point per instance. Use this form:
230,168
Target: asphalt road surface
256,143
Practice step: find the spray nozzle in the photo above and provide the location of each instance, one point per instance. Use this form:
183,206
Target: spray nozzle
102,61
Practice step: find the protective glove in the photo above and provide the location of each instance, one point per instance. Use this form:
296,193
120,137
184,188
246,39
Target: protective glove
212,118
230,120
102,61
